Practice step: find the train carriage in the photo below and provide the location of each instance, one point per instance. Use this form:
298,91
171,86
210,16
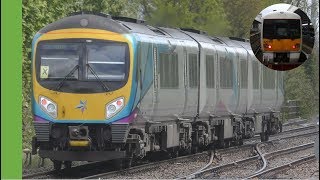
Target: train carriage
281,37
116,88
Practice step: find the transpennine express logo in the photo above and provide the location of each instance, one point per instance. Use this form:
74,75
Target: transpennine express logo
82,106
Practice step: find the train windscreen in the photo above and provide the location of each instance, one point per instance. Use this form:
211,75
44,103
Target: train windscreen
281,29
82,62
108,60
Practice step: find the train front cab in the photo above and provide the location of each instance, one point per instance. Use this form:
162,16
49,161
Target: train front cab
80,112
281,40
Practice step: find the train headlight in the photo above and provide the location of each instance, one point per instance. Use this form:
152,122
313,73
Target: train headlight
48,106
296,46
51,108
267,46
114,107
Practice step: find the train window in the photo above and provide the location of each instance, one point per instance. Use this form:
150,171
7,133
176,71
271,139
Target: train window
193,71
244,73
210,71
281,28
255,75
58,59
107,60
169,72
268,79
226,73
144,55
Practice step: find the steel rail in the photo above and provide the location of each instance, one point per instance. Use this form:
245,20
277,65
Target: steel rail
198,174
275,170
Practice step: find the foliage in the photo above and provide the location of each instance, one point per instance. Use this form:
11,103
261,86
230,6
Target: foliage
299,87
241,13
206,15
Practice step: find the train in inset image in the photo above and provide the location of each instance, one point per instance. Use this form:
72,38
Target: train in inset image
282,38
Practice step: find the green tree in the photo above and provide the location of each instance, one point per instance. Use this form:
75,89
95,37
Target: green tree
298,87
241,14
206,15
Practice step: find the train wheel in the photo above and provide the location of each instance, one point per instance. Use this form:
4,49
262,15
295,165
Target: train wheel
57,165
195,150
126,163
222,144
228,143
262,136
267,136
117,164
174,153
240,142
68,164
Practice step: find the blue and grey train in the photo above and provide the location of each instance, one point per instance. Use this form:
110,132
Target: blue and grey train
116,88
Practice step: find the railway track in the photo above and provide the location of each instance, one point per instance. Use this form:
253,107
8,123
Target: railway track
131,172
295,122
274,170
152,168
240,164
68,172
146,167
283,133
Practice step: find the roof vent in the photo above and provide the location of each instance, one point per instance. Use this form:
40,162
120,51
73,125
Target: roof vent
127,19
237,39
194,31
90,12
156,30
216,40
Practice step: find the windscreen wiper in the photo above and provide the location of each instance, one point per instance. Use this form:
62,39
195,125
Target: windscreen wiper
105,87
64,79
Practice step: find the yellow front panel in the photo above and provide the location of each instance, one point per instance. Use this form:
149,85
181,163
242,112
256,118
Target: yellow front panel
78,143
95,103
281,45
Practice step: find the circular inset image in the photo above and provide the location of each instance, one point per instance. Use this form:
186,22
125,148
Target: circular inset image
282,37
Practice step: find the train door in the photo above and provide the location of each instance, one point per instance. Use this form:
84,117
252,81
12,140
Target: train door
228,87
268,89
250,83
256,79
144,76
209,72
243,79
170,65
219,107
229,80
279,89
192,81
261,68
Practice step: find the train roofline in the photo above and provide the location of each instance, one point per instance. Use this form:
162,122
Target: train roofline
281,15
